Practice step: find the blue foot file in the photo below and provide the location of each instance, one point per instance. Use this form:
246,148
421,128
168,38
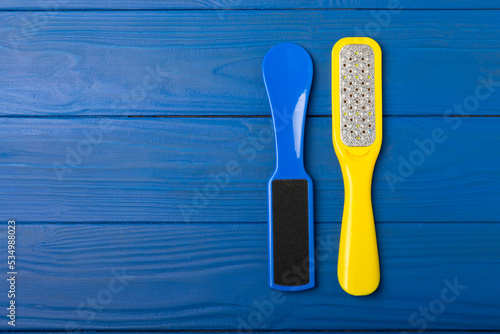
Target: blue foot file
288,71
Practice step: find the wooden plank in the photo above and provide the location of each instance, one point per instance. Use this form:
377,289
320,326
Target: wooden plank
209,62
263,332
216,169
239,4
214,276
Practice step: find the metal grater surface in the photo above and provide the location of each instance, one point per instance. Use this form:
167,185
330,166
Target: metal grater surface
357,95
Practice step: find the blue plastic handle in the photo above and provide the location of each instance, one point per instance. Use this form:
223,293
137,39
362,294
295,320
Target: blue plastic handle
287,69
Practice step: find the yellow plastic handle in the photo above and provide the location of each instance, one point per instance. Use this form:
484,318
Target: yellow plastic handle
358,265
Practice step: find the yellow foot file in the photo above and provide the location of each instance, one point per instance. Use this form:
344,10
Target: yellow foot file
357,137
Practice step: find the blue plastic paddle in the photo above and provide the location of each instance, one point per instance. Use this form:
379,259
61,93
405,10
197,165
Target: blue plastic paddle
288,71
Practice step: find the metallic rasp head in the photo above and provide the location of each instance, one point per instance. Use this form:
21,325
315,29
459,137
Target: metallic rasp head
357,95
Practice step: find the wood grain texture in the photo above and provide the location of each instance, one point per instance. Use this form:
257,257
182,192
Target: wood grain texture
216,170
178,205
264,332
214,276
240,4
209,62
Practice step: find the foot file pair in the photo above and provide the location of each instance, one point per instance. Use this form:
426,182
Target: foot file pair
357,137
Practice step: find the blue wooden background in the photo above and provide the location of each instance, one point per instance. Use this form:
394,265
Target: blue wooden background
136,144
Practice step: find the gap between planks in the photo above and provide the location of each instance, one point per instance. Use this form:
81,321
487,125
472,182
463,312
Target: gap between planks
221,116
